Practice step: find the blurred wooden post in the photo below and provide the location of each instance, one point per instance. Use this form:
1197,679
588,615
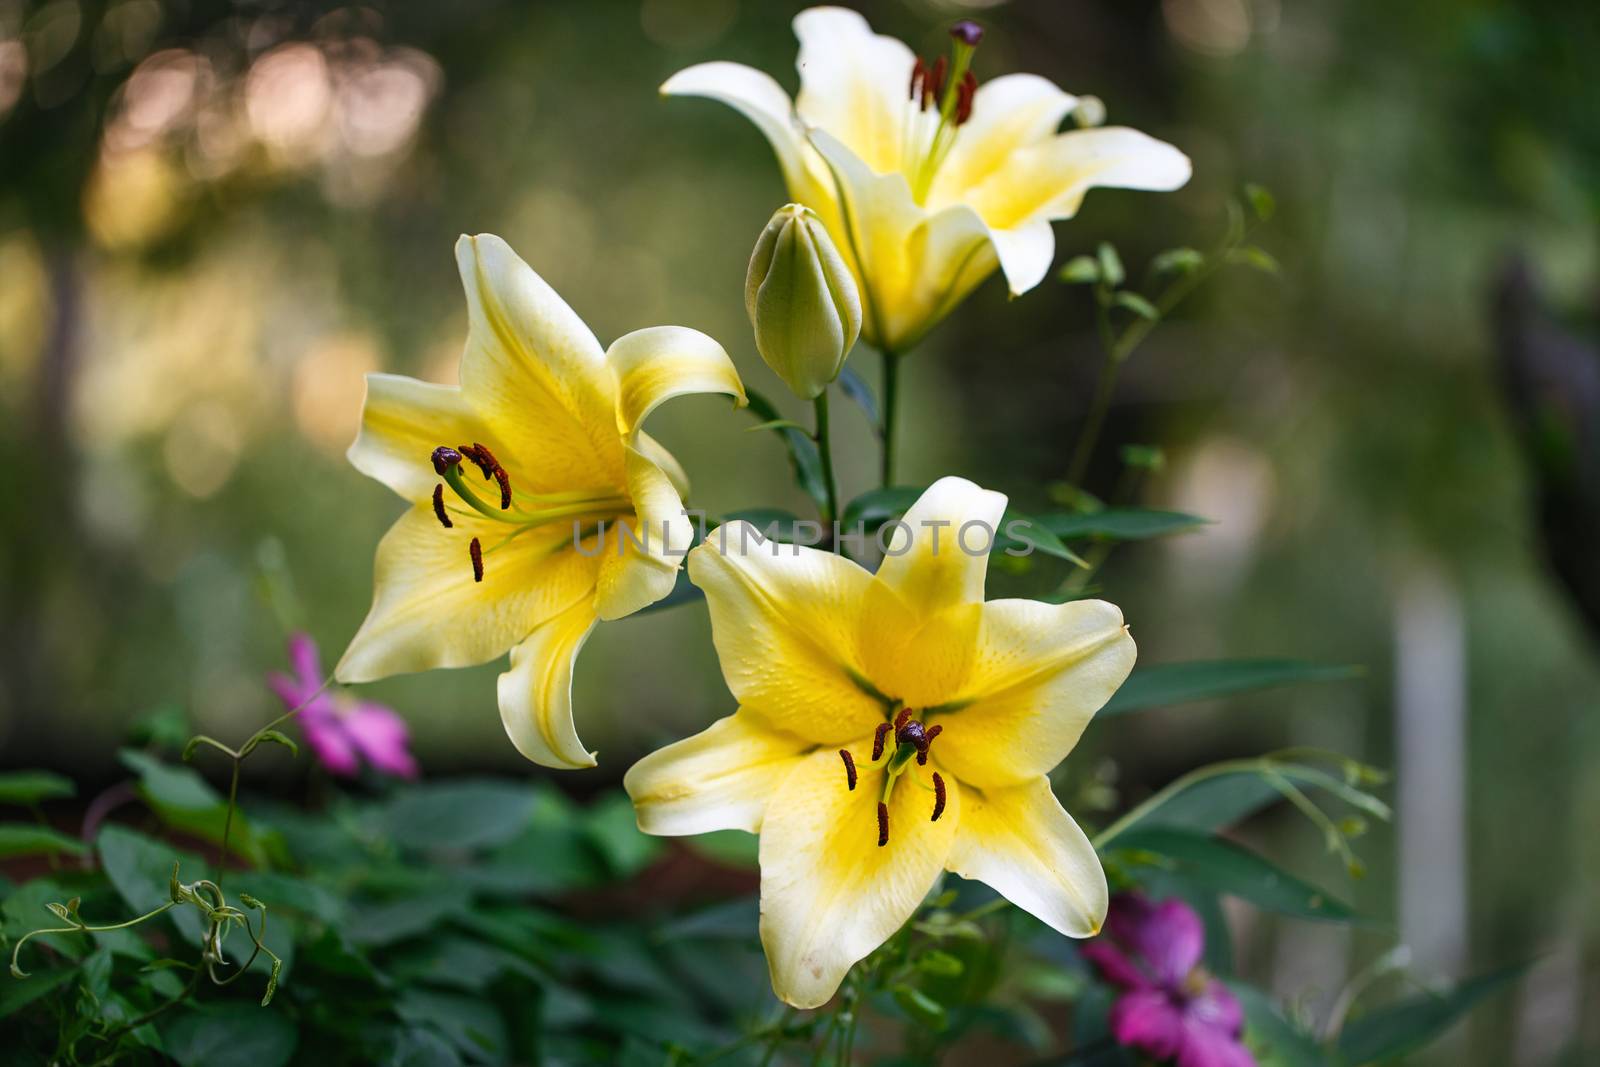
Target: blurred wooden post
1430,698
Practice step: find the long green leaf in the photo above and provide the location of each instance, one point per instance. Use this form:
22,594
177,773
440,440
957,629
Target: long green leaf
26,839
1183,683
1220,802
1225,867
1281,1041
1401,1029
1120,524
30,787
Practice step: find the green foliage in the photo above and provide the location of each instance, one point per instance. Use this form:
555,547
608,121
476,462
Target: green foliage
30,787
1398,1030
1182,683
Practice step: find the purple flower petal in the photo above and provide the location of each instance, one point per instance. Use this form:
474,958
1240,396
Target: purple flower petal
1207,1046
1148,1019
1168,937
383,739
1217,1008
329,743
306,661
1113,966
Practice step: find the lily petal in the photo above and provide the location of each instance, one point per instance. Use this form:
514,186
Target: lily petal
1008,113
719,779
1048,180
1022,842
639,563
536,693
657,453
535,373
928,561
854,83
1025,253
428,612
912,267
829,894
403,421
784,622
758,97
1041,672
656,364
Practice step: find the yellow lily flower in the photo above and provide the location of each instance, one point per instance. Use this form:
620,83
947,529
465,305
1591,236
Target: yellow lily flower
925,179
577,516
890,726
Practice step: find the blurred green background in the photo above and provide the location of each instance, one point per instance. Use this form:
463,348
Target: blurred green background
215,218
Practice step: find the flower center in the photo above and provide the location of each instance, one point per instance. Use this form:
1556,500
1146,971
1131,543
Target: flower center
522,510
940,104
912,740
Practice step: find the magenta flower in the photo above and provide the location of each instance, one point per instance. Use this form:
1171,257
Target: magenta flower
342,732
1171,1008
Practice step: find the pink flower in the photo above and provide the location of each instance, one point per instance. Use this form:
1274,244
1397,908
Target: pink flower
1171,1008
340,731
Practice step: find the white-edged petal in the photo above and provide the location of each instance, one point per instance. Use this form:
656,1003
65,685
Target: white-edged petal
1021,842
654,365
1008,113
403,421
784,619
640,556
853,83
829,894
719,779
1040,673
938,556
1025,253
536,693
428,612
536,374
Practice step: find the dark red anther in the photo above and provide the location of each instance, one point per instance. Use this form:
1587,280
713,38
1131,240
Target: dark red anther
919,75
964,94
967,32
933,731
883,824
933,88
900,719
849,767
444,457
479,453
477,560
504,479
877,740
938,797
438,507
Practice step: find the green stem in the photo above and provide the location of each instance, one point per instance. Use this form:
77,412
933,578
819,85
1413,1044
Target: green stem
825,449
227,820
1105,385
891,396
1176,786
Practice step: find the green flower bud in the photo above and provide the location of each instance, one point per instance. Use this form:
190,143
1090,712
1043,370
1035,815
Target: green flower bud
802,301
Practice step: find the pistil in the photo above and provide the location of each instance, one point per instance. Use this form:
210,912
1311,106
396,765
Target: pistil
946,89
912,740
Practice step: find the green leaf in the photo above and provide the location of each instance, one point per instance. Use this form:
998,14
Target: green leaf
140,869
1080,270
1178,261
186,802
422,1048
803,456
614,829
386,922
1019,534
1111,271
470,1024
859,391
1138,305
231,1034
1254,257
1226,868
18,993
1225,800
1143,457
1261,201
1401,1029
1184,683
1120,524
775,424
30,787
731,848
1280,1042
940,963
920,1007
459,814
875,507
27,839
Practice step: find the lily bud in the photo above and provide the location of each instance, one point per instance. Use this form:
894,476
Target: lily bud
802,301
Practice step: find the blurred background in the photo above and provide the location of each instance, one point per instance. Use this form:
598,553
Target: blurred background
216,218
